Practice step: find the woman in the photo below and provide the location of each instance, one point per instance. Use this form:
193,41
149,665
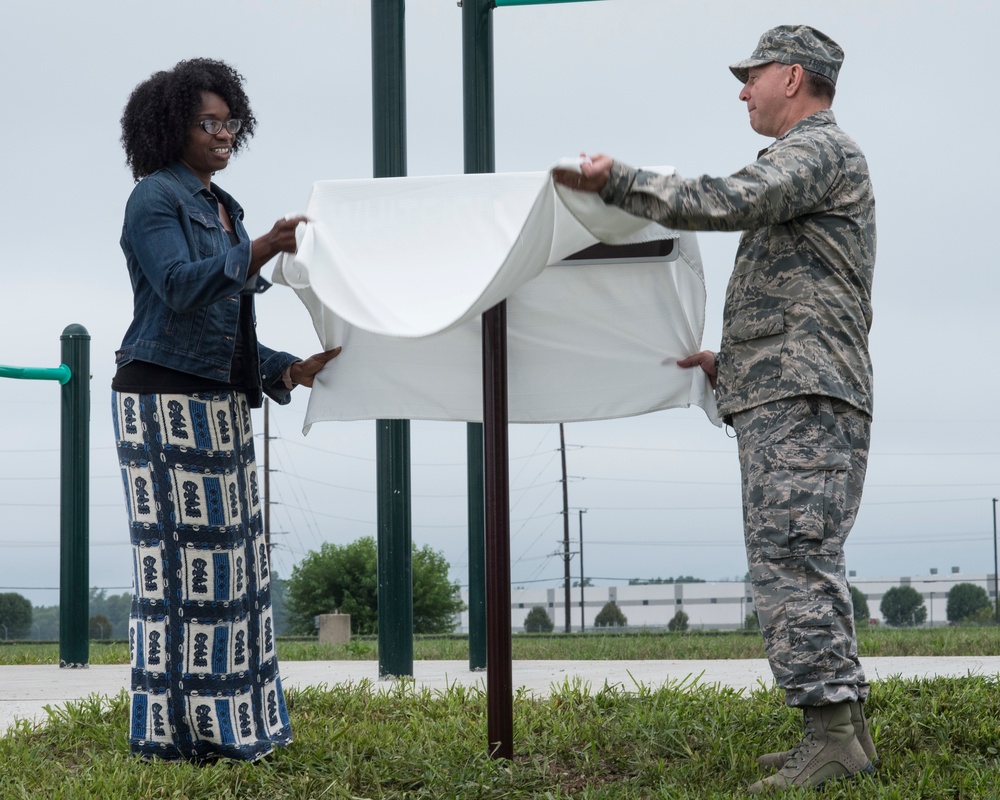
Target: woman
205,680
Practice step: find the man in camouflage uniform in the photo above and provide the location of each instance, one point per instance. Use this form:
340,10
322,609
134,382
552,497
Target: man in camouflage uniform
793,375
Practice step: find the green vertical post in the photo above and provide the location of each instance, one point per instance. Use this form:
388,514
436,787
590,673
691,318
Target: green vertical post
74,552
480,156
996,569
392,437
477,546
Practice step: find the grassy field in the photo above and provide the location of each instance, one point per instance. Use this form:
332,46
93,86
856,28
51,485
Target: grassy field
631,646
937,738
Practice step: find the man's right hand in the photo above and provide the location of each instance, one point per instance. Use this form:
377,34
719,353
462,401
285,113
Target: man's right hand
596,171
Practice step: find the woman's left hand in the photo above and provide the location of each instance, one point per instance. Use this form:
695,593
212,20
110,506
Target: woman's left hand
303,372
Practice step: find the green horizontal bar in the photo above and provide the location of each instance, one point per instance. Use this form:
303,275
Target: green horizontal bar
499,3
62,373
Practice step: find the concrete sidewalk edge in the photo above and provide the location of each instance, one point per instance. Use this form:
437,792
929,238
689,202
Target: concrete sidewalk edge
26,691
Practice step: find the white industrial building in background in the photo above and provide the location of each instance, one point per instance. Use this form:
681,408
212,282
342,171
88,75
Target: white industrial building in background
716,605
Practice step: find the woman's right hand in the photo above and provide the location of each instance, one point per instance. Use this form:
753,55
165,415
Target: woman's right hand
280,239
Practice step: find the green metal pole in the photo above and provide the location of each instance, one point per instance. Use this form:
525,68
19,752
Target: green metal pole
480,156
74,553
392,437
477,546
996,569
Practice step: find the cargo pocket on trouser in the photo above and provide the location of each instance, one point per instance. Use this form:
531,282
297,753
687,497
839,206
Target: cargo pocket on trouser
797,513
819,658
816,499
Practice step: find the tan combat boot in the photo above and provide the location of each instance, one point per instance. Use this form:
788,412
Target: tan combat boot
829,750
861,729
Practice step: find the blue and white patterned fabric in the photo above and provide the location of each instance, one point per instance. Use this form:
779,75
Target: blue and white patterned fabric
205,680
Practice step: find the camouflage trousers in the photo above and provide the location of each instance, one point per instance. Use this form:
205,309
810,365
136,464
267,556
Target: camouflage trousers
803,463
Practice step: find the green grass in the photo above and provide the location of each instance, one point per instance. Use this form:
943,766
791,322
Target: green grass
937,739
630,646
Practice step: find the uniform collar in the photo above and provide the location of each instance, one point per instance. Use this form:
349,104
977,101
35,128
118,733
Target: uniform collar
817,120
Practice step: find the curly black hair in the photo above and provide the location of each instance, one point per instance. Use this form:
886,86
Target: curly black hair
156,122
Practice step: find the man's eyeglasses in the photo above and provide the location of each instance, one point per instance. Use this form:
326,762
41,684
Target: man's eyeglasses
214,126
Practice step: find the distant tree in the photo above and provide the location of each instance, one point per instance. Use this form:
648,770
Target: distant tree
45,623
100,627
751,622
436,600
610,617
343,578
966,602
15,614
862,614
586,582
538,621
279,607
679,622
903,607
115,608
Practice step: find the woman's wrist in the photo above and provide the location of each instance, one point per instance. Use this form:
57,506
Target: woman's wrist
287,376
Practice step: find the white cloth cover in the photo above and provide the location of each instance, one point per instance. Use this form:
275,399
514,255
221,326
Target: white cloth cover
399,270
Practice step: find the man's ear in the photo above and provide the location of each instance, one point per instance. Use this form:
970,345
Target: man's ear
794,78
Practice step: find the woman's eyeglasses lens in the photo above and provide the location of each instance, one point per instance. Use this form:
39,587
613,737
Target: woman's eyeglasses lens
214,126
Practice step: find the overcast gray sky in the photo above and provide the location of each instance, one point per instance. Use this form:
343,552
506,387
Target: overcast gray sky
643,80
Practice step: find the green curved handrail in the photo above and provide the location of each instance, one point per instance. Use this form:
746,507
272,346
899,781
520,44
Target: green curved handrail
62,373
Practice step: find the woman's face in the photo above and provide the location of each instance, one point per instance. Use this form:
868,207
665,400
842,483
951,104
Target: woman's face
207,153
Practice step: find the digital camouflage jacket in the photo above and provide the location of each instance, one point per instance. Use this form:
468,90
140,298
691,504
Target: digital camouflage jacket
798,306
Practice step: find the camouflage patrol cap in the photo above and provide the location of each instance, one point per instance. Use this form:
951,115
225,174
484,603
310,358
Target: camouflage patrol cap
794,44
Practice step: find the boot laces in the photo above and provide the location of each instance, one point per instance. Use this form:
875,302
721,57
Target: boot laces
800,752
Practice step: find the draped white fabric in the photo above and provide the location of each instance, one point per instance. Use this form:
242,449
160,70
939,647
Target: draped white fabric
399,270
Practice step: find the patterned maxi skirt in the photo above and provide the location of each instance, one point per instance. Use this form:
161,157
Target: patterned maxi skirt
205,680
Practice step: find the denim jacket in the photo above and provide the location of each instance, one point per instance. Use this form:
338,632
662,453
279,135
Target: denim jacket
186,281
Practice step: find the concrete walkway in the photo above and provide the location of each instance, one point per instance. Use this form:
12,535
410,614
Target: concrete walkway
25,691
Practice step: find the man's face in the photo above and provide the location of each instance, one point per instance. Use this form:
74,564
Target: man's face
764,94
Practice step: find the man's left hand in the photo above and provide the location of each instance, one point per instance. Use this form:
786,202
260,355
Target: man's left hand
706,360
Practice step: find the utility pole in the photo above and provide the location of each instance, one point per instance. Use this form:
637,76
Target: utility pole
566,553
267,479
